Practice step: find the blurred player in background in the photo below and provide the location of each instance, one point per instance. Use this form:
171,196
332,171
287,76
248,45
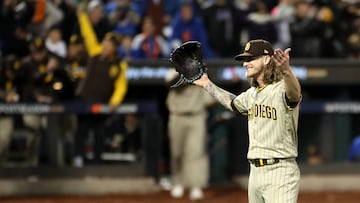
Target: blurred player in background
10,91
105,82
187,107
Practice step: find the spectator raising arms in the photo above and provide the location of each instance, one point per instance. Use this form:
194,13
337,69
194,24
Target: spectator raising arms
14,18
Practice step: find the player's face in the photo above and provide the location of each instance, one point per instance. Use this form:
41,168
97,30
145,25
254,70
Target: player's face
186,13
254,66
39,55
108,48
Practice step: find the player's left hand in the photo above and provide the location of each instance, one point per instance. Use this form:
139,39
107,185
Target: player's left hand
203,81
282,59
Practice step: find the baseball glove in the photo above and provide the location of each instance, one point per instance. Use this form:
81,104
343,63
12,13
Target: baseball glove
187,60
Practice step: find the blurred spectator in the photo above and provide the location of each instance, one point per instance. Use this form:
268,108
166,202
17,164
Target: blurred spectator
132,140
10,91
20,45
75,67
15,15
99,21
306,31
353,41
148,44
187,133
125,18
46,15
76,60
330,44
54,86
161,11
188,26
125,50
314,156
112,5
348,17
220,16
243,8
283,14
260,24
270,4
354,153
105,82
55,43
68,8
127,137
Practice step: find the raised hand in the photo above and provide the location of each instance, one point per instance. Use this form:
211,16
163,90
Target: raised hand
282,59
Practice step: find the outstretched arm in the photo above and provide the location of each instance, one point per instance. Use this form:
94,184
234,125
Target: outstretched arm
92,44
292,85
222,96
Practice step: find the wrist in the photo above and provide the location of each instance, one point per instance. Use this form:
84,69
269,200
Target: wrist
207,85
286,73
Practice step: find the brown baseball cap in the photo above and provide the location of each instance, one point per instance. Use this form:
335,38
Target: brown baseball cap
114,37
12,63
76,39
37,44
255,48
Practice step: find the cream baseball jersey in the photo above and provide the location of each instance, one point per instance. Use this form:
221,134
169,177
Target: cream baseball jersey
272,123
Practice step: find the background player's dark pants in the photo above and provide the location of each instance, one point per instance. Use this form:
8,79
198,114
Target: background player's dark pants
87,123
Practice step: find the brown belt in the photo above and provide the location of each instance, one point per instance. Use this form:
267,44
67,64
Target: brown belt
188,113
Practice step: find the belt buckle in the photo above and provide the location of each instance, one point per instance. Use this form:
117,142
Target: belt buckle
264,162
260,162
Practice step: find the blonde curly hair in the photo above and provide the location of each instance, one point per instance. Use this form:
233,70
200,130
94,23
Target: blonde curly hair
272,74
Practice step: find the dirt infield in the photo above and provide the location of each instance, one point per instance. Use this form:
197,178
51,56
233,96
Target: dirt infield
212,195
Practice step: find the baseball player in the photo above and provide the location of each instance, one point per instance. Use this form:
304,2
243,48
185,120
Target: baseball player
188,107
272,107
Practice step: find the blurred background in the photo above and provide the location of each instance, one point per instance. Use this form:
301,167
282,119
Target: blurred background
45,52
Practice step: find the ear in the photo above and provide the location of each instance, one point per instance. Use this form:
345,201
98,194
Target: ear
267,59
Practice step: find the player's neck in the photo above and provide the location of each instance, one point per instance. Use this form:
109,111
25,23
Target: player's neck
261,84
259,88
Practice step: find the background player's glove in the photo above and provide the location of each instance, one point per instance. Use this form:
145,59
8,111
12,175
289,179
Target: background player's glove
187,60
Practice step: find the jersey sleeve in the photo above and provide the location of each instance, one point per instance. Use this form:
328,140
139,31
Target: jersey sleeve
92,44
239,103
289,105
121,86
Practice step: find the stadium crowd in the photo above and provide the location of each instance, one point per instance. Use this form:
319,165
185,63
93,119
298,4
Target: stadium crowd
46,45
151,29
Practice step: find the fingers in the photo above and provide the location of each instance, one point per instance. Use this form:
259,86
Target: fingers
287,51
280,53
281,57
278,56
